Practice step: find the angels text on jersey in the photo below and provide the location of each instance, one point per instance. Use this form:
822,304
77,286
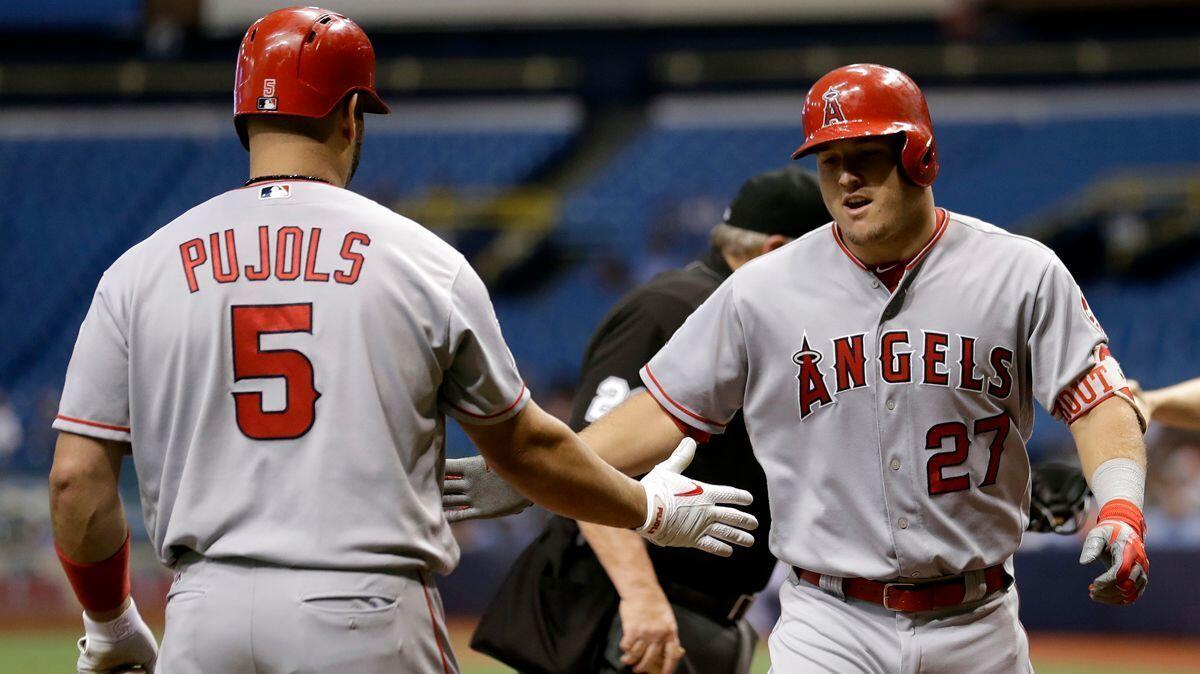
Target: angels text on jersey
932,358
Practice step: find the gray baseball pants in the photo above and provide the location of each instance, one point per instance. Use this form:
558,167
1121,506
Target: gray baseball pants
239,616
818,632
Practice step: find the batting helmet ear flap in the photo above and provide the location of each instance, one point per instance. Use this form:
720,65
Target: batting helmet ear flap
918,159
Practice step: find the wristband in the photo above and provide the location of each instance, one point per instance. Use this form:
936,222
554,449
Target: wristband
99,586
1119,479
1121,510
655,512
116,629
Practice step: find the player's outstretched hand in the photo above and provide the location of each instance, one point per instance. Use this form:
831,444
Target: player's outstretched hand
1117,541
124,644
681,512
474,491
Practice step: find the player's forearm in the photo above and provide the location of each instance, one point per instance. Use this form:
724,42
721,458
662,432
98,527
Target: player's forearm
1110,431
85,505
1177,405
550,465
623,555
635,436
89,522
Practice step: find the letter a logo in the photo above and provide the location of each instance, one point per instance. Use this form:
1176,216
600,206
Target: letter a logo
833,108
812,391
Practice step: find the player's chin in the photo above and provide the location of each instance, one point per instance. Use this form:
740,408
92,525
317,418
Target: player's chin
860,232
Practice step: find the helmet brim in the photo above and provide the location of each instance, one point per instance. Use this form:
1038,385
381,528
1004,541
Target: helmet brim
845,130
369,101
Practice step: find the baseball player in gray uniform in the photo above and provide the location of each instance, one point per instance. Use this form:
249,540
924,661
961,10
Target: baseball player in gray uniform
886,366
279,361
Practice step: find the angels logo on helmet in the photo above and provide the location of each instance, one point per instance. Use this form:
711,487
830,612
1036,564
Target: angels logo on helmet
833,108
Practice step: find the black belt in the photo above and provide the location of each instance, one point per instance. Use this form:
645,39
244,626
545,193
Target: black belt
721,609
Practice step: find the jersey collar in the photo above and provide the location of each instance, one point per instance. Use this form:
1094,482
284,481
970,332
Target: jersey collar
270,180
943,220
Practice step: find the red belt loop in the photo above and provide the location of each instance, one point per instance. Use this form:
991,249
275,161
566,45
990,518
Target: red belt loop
908,596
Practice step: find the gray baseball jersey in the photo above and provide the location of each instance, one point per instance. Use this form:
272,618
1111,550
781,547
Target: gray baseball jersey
281,357
891,426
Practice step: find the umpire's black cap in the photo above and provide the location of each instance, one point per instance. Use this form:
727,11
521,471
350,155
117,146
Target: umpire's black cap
786,201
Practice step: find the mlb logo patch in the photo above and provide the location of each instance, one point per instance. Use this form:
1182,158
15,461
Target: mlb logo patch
275,192
268,101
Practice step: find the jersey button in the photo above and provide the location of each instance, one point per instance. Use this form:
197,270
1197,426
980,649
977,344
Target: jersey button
902,523
891,405
874,284
895,464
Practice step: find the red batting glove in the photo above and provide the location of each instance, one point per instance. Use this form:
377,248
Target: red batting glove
1117,541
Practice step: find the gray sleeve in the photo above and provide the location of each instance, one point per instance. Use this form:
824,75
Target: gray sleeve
1072,368
482,385
95,398
699,376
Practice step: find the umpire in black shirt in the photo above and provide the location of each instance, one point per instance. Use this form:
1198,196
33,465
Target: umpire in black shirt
675,605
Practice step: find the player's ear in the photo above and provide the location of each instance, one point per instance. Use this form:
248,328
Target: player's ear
774,241
348,119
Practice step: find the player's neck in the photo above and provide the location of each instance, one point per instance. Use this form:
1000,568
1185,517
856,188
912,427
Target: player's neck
295,158
908,240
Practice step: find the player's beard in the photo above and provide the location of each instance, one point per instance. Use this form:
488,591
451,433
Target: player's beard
872,234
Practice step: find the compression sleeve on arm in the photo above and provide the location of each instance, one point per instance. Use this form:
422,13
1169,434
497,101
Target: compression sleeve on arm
99,586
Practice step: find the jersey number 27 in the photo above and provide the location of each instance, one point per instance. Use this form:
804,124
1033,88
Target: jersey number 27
957,433
251,361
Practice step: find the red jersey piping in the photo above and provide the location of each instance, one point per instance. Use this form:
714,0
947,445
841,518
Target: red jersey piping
85,422
681,408
837,236
433,624
943,220
502,412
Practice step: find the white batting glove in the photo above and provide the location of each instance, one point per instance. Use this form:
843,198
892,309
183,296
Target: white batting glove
124,644
1117,541
473,491
681,512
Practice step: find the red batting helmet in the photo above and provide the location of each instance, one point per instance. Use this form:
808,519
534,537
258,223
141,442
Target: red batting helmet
303,61
870,100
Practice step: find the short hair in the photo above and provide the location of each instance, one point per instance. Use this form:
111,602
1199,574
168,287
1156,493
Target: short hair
315,128
737,242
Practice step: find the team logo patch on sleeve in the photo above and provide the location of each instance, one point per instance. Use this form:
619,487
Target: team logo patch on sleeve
275,192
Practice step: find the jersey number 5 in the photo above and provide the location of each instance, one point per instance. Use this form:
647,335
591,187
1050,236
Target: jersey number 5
251,361
956,431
